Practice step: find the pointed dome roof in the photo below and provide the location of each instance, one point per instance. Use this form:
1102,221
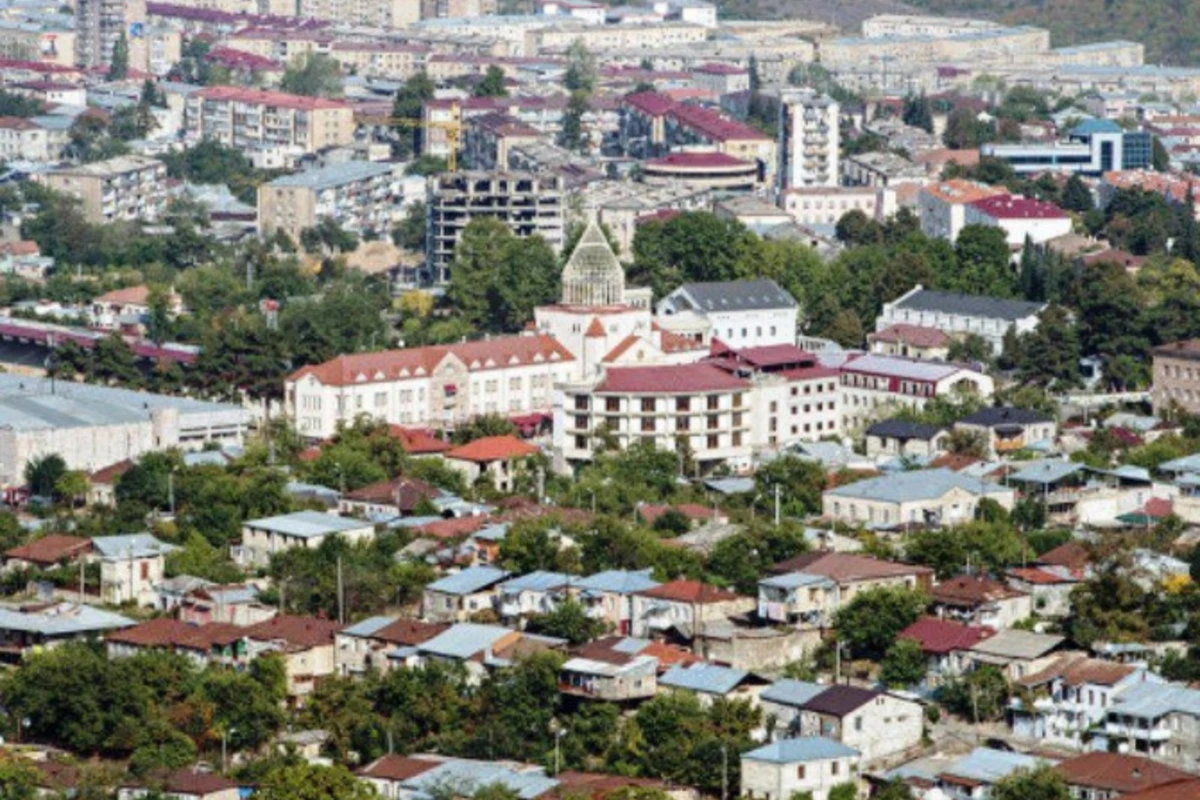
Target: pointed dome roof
593,275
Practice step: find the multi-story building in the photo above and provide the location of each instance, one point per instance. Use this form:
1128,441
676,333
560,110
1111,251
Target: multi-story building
32,40
882,25
359,195
1021,218
530,205
24,140
1176,377
488,138
1161,721
921,497
703,171
380,59
100,23
121,188
371,13
942,206
745,313
811,136
437,386
825,205
990,318
876,386
246,118
1093,147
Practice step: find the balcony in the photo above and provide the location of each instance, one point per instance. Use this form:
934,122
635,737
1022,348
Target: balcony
1158,733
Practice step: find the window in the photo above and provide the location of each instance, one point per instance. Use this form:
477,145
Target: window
713,422
647,405
858,724
800,773
714,441
681,424
145,568
714,402
581,422
835,768
581,443
647,425
737,439
380,399
774,407
581,402
612,404
683,403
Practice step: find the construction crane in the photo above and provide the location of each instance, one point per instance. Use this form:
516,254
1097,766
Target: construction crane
453,129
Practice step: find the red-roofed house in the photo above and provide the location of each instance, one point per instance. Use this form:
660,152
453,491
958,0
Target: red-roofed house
185,784
306,644
981,600
399,497
911,341
429,386
943,643
496,457
129,306
1019,218
683,606
48,551
694,513
419,441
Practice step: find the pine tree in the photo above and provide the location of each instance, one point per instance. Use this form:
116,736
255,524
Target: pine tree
1076,196
1030,282
118,66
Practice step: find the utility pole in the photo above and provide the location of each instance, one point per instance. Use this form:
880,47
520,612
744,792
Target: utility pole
81,582
341,614
724,771
171,491
777,490
837,662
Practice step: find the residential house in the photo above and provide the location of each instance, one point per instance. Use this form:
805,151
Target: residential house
458,597
789,768
682,606
129,307
972,776
1049,588
898,437
48,551
938,497
24,629
945,644
236,604
876,724
405,777
807,590
185,784
942,207
745,313
1179,790
480,648
307,647
217,643
102,482
981,600
745,643
263,538
380,643
1176,377
874,385
614,671
494,458
1066,699
399,497
911,341
961,314
1017,653
172,591
1158,720
1107,776
531,595
124,188
131,565
608,596
710,681
1006,430
1021,218
782,705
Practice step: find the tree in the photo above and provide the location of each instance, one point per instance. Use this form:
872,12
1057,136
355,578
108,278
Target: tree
895,789
118,65
313,75
572,135
693,246
19,778
1076,196
1049,355
1160,159
983,255
529,547
856,228
904,664
980,695
569,620
916,112
844,791
304,781
409,104
800,484
581,69
972,347
42,474
1043,782
496,278
870,621
71,486
492,84
964,130
410,233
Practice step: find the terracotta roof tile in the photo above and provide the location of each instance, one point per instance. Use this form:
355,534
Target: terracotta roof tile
1072,555
297,631
915,335
418,441
405,493
50,549
1180,790
1120,772
847,567
685,591
942,636
670,379
408,632
397,767
493,448
971,590
1076,669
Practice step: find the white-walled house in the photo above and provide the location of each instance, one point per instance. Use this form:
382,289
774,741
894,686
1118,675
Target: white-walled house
262,538
783,769
745,313
932,496
875,386
953,313
456,597
1020,218
131,566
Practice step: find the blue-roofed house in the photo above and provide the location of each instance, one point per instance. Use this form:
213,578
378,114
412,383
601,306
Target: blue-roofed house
480,647
381,643
607,595
931,496
790,767
783,700
131,566
533,594
22,630
460,595
973,775
1159,720
427,775
710,681
263,538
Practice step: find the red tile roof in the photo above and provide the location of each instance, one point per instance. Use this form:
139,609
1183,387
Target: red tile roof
1119,772
404,493
672,379
1076,669
940,636
652,103
1040,577
692,160
959,191
397,767
238,94
188,782
166,632
417,441
50,550
1180,790
408,632
847,567
685,591
595,328
712,125
452,528
389,365
972,590
132,295
493,448
1007,206
296,631
1072,555
915,335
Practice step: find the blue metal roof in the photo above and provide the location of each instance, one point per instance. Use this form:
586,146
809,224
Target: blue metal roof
707,678
130,545
368,626
730,485
464,640
493,533
618,581
794,580
539,581
307,524
1047,472
986,765
795,751
1153,700
1093,126
788,692
64,619
1185,464
901,487
470,580
467,776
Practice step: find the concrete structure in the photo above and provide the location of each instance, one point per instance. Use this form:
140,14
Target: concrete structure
811,140
876,724
1007,430
825,205
1176,375
441,385
131,566
1161,721
745,313
369,644
980,600
1020,218
924,497
987,317
791,767
1017,653
528,204
459,596
1093,147
943,206
119,189
94,426
253,118
876,386
370,13
683,606
100,23
607,596
306,644
25,140
30,39
488,138
263,538
360,196
897,437
702,171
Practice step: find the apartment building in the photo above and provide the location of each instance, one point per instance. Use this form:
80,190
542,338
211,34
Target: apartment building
489,137
361,196
825,205
876,386
811,136
882,25
1176,377
743,313
32,40
996,45
372,13
100,23
246,118
436,386
529,204
1161,721
961,314
24,140
942,206
1021,218
121,188
380,59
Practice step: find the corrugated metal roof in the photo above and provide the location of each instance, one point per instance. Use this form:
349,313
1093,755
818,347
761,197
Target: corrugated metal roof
986,765
788,692
539,581
1152,700
466,777
65,619
464,640
618,581
901,487
801,750
472,579
130,545
794,580
706,678
306,524
368,626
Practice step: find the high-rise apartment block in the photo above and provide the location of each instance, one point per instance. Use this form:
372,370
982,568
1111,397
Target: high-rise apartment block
121,188
244,118
358,195
100,23
811,135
